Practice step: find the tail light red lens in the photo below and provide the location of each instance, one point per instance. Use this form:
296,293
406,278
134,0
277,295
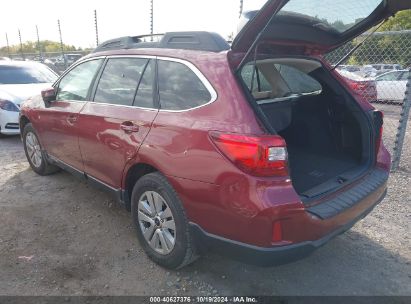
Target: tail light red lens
264,155
277,234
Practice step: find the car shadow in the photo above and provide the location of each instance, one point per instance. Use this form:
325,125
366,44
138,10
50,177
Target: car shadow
350,264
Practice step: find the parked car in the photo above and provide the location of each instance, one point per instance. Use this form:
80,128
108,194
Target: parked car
67,60
264,157
387,67
368,71
350,68
391,86
18,81
364,87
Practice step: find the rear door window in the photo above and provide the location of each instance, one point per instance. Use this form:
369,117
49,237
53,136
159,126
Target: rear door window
179,87
119,81
144,96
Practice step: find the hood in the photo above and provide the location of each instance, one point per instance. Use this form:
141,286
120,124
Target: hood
312,26
19,92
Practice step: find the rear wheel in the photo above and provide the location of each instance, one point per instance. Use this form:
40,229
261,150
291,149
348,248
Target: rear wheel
36,156
160,222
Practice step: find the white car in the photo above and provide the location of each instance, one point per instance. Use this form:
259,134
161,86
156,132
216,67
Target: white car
391,86
20,80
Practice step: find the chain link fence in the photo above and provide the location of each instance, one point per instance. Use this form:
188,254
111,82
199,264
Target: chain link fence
380,71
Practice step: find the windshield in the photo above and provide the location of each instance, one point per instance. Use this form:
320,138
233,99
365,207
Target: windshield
338,15
26,74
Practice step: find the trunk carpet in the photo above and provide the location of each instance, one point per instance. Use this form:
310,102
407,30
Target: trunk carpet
309,169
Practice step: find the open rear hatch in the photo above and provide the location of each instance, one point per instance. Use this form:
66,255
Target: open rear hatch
313,26
331,141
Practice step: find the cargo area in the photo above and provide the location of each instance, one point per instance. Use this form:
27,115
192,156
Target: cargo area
327,134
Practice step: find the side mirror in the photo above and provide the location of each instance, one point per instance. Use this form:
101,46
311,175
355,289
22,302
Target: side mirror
48,95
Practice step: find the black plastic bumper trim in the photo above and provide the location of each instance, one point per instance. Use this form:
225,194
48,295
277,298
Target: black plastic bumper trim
267,256
375,179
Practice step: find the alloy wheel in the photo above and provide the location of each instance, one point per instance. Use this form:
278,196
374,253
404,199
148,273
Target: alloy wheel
156,222
33,149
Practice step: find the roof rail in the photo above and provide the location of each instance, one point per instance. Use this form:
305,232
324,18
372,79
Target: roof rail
202,41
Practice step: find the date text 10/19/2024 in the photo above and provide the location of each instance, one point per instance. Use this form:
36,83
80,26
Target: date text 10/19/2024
205,299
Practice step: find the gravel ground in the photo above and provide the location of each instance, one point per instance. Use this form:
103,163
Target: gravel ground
59,236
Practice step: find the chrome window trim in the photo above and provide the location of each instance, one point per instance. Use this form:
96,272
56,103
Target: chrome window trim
132,56
119,105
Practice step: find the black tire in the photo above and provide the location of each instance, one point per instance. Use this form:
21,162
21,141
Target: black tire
45,167
184,251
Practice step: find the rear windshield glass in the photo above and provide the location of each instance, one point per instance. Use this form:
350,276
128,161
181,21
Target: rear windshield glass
278,81
25,75
338,15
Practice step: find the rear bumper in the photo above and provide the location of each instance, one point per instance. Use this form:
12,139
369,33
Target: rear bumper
269,256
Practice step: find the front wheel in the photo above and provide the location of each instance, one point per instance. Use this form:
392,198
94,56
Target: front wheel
160,222
35,155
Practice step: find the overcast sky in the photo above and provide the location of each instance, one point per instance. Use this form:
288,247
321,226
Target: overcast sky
115,18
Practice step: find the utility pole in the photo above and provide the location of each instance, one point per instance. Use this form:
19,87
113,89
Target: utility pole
402,127
21,46
241,7
61,45
151,18
38,42
8,46
96,26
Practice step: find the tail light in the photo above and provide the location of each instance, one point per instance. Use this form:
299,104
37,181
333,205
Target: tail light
277,234
263,155
378,125
358,86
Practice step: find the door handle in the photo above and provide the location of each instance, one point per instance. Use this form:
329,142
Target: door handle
129,127
72,119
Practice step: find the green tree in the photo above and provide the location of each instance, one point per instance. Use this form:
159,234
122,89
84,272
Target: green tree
31,47
381,48
401,22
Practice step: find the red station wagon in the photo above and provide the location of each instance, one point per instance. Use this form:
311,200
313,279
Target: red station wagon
259,150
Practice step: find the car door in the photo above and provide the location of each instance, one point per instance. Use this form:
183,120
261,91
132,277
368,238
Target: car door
114,124
387,86
59,129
